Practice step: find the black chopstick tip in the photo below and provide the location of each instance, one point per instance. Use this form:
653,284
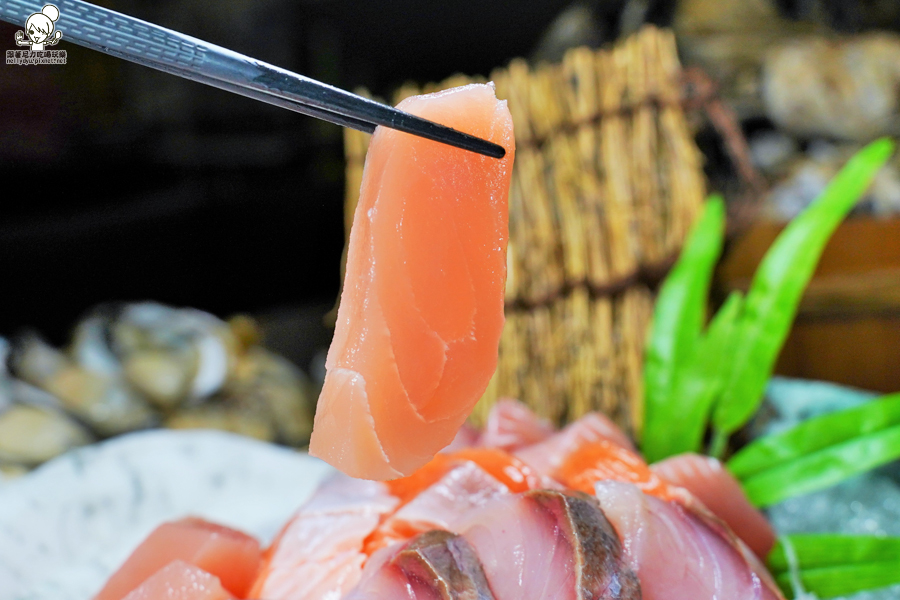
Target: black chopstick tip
497,151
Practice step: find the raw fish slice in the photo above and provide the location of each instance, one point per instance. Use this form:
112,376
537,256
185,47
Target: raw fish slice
548,456
230,555
512,425
675,554
598,461
387,583
445,565
502,466
319,553
507,469
546,544
378,580
422,305
436,565
340,494
464,488
180,581
719,491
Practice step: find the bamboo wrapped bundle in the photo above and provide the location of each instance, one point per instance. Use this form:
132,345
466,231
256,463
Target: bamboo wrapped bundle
606,182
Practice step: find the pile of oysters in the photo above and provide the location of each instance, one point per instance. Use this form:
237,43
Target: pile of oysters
136,366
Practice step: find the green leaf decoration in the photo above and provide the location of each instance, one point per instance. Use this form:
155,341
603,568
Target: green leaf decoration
778,285
819,452
824,468
678,319
697,385
815,434
831,565
817,550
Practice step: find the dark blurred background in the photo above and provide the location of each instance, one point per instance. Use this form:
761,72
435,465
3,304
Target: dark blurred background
123,183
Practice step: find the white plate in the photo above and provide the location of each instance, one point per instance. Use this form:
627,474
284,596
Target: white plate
65,527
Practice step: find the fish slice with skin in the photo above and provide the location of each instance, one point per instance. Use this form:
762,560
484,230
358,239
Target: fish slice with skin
435,565
421,312
708,480
679,553
545,544
319,553
697,482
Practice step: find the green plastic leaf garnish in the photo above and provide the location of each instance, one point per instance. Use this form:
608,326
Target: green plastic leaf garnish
830,565
677,323
819,452
698,384
778,285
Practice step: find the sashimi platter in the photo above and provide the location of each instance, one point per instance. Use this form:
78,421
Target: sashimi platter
399,498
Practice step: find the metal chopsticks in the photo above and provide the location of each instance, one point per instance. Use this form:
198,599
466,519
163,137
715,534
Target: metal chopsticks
137,41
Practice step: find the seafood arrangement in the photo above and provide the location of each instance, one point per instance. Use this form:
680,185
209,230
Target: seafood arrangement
427,506
430,507
517,510
514,511
135,366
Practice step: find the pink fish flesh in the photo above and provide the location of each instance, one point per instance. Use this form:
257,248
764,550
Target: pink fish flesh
547,456
708,480
511,425
545,544
676,554
319,554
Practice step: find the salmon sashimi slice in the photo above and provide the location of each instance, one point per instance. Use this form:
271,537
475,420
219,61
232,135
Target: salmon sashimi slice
504,467
465,487
319,553
230,555
515,474
180,581
548,456
421,311
511,425
708,480
675,552
602,460
546,544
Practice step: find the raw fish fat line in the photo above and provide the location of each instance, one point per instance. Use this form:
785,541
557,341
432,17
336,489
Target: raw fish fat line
606,183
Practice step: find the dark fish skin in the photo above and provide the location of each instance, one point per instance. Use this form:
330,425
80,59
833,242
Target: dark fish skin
601,572
444,566
584,562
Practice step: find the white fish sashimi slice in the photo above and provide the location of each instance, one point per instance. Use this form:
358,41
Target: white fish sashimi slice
463,489
319,554
436,565
709,481
679,555
545,544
